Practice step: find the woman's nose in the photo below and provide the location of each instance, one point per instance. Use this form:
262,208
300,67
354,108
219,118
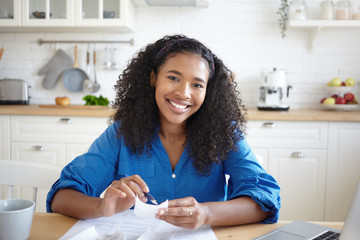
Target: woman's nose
184,90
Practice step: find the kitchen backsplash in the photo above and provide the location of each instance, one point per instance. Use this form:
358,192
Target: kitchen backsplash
243,33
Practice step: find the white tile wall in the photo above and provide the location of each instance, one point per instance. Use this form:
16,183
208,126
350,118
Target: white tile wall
244,33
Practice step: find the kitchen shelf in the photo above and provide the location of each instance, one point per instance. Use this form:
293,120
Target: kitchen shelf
316,26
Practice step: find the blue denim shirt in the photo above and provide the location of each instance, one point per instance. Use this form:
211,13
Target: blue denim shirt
109,159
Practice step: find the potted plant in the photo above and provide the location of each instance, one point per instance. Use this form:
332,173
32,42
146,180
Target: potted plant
283,11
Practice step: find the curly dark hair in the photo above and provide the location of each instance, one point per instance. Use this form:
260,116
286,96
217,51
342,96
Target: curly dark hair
211,132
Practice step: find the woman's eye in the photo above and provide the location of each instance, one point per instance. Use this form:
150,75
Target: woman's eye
198,85
173,78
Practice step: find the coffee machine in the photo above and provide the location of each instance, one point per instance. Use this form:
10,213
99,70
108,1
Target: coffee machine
274,88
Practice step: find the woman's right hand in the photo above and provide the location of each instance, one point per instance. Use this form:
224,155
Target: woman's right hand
121,194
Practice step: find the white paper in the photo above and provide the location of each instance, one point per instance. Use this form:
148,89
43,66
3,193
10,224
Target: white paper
133,228
142,209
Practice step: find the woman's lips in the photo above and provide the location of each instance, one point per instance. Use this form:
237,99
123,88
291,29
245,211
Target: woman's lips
176,107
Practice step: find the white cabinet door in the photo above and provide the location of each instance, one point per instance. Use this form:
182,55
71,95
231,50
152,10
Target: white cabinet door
45,13
74,150
301,175
4,137
56,129
10,13
343,168
105,13
39,152
287,134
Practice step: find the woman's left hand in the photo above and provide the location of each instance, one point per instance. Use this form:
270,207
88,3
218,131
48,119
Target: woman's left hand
184,212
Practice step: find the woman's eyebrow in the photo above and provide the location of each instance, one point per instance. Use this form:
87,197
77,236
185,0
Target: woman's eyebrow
180,74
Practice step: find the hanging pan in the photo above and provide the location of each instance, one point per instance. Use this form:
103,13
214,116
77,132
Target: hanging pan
74,78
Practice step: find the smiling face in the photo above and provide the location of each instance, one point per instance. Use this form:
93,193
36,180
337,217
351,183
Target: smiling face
180,87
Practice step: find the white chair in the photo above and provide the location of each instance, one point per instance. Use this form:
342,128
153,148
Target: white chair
34,175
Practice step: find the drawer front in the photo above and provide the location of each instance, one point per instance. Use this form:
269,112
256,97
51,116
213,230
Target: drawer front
5,137
39,152
287,134
302,182
56,129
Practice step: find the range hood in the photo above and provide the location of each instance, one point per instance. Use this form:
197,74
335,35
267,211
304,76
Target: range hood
173,3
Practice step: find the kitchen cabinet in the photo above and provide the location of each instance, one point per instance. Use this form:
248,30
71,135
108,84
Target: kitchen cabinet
4,137
69,15
10,13
48,139
343,169
295,155
316,26
47,13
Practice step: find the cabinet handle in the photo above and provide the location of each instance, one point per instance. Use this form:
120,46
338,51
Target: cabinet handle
268,124
38,148
297,155
65,120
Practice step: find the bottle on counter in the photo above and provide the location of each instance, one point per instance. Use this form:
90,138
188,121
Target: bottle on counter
327,10
298,10
343,10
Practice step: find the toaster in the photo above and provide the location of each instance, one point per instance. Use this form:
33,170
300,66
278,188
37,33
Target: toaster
13,91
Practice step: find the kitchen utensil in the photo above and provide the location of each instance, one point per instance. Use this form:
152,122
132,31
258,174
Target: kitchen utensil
74,78
88,85
1,52
96,84
54,69
13,91
273,87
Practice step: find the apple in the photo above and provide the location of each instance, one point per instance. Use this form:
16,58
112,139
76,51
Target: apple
322,100
335,96
340,100
329,101
353,102
349,97
62,101
343,84
335,82
349,82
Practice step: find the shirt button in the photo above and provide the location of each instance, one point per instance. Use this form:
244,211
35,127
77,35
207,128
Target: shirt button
173,175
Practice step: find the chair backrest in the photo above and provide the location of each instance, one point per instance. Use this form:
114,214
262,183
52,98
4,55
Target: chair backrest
28,174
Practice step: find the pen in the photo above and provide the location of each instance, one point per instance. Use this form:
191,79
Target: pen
148,195
151,198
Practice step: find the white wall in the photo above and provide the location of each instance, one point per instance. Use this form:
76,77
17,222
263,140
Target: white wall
244,33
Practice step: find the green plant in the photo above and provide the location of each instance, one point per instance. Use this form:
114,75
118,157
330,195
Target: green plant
283,11
93,100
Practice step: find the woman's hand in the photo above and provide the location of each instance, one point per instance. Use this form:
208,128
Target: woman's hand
184,212
121,194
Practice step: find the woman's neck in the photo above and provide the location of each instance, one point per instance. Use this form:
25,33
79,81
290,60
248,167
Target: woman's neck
172,132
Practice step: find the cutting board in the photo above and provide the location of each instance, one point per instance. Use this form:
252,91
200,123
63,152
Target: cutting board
71,106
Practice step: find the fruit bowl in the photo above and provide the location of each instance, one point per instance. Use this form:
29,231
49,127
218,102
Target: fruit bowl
341,89
340,107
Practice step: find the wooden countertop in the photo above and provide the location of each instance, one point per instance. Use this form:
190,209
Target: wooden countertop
253,114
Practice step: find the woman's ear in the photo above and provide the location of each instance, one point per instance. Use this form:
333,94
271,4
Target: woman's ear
152,79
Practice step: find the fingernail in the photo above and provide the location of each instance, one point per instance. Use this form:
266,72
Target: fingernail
147,189
161,212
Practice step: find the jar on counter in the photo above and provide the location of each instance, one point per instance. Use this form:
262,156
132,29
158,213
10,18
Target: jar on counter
343,11
298,10
327,10
356,15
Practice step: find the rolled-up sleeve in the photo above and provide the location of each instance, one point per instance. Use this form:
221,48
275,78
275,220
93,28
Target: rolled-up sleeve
248,178
92,172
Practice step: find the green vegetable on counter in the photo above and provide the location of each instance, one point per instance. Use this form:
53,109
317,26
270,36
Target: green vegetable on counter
97,101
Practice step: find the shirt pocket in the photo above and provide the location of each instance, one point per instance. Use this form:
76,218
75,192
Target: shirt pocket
145,169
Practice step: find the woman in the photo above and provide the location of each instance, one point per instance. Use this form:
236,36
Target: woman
178,129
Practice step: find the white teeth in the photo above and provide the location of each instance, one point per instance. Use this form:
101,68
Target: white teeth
177,105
